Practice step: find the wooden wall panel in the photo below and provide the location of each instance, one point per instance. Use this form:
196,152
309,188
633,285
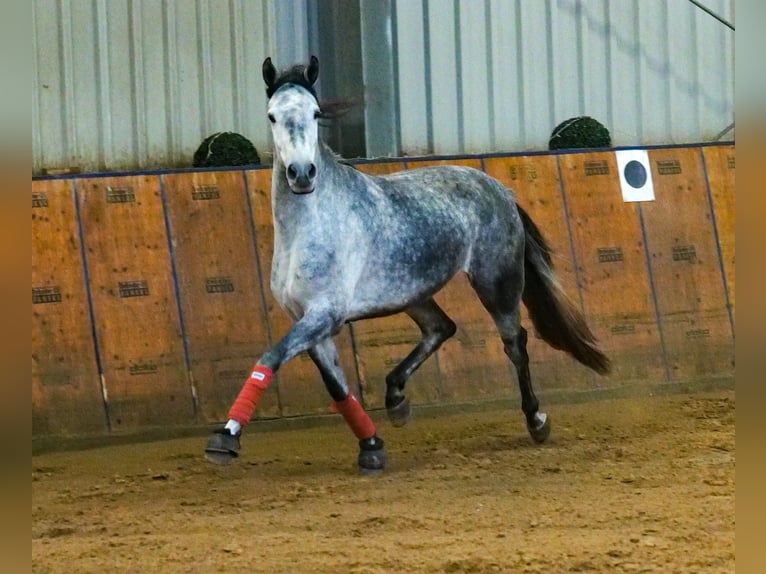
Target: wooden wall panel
720,162
135,310
611,264
66,387
472,364
600,257
381,344
219,286
686,268
300,387
536,185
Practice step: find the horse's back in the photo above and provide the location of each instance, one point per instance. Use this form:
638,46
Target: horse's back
427,225
485,209
464,188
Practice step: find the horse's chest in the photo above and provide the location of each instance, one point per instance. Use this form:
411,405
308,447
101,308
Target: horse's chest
301,273
284,282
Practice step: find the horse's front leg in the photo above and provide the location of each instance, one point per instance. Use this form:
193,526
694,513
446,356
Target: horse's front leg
308,332
372,455
223,445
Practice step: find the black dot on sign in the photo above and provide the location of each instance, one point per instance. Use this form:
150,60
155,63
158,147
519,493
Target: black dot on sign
635,174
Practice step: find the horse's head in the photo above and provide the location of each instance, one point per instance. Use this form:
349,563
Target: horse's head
293,112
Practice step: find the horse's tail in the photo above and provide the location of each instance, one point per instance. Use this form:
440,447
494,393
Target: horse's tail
555,317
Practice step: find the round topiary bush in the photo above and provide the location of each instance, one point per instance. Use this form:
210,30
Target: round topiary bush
225,149
580,132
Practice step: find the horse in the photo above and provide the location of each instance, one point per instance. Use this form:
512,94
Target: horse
350,246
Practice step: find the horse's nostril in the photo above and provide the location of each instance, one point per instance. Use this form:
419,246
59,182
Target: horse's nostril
292,173
312,171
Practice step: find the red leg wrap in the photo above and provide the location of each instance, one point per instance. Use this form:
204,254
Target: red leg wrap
244,405
355,417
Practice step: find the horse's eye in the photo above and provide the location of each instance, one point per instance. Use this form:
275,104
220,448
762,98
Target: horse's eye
317,114
272,119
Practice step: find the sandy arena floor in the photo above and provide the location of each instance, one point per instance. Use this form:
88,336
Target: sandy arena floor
623,485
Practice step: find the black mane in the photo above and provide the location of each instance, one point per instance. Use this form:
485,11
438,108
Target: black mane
294,75
305,77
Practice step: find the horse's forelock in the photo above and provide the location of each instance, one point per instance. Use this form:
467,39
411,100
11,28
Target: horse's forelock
296,76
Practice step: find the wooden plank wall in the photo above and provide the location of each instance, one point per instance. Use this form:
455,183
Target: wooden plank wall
137,323
66,387
686,268
161,319
219,282
720,166
612,266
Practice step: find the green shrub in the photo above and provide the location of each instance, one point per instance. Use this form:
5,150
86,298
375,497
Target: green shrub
225,149
580,132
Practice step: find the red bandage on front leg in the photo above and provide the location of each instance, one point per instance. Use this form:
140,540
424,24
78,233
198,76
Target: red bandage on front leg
356,418
244,406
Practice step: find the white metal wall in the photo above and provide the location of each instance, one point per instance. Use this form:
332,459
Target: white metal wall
125,84
121,84
482,75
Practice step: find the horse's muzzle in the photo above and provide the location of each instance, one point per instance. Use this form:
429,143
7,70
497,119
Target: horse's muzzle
298,190
300,177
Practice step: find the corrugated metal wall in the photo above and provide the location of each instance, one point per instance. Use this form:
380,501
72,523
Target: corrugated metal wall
499,75
126,84
121,84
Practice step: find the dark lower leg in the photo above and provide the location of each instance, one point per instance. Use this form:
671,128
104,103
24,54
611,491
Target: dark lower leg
435,327
516,349
397,378
372,454
325,357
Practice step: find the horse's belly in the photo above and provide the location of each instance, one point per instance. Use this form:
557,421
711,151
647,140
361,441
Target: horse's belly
394,286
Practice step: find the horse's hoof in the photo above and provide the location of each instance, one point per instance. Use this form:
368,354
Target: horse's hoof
400,414
372,456
222,447
541,428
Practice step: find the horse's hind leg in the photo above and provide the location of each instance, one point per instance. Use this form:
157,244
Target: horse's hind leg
372,455
503,306
515,346
435,328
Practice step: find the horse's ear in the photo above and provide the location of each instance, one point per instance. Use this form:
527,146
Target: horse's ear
269,72
311,73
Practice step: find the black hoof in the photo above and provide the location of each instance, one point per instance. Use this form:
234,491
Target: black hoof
400,414
222,447
540,428
372,456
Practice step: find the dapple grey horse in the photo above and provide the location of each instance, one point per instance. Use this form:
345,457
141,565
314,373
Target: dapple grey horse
350,246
